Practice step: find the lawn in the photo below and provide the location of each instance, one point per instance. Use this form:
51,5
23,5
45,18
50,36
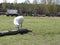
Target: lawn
45,31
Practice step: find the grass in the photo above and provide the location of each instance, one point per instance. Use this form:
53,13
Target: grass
46,31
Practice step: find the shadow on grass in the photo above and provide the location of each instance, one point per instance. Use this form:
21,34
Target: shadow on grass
14,32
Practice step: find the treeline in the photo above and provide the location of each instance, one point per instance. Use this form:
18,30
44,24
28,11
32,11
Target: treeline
32,9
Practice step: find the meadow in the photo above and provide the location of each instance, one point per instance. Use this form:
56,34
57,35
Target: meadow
45,31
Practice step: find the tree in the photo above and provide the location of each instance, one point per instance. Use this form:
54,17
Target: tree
35,1
15,4
43,1
27,2
4,4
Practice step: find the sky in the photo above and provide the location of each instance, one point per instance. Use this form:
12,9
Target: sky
58,1
18,1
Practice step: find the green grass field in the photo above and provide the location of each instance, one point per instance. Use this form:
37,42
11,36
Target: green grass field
45,31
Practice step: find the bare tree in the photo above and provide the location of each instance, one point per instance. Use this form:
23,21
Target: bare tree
35,1
27,2
4,1
15,1
43,1
55,1
15,4
49,1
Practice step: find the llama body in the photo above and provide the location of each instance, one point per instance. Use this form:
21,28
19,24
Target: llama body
18,21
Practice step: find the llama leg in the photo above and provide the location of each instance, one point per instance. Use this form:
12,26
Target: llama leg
21,25
17,27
